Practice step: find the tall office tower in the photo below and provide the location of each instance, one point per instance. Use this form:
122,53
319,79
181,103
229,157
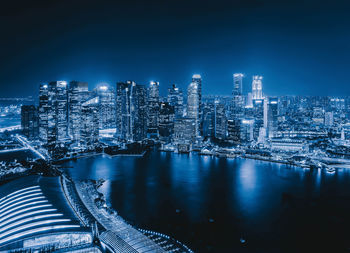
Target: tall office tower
57,115
131,118
43,111
238,84
238,99
175,98
153,109
258,115
247,130
193,104
208,119
53,110
184,130
89,123
52,129
220,121
138,111
106,108
59,89
123,117
329,119
270,116
196,78
29,121
257,87
77,94
166,121
233,131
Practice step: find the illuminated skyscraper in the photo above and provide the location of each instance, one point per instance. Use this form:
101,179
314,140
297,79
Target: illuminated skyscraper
153,109
123,116
220,121
184,130
234,131
270,116
138,110
238,99
238,84
193,104
131,115
77,94
208,119
29,121
59,91
106,108
258,115
43,111
257,87
175,98
53,114
89,123
247,130
196,78
166,121
57,117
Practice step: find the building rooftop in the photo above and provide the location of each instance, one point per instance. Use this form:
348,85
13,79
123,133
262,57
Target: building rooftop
35,213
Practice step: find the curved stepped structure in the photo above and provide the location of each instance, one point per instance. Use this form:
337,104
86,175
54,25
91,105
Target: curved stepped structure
34,214
46,214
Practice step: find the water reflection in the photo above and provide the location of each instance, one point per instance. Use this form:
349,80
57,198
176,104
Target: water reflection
247,187
208,202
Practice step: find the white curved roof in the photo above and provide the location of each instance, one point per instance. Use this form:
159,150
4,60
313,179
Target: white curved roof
27,211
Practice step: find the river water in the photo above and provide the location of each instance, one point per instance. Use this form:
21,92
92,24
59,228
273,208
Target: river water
211,204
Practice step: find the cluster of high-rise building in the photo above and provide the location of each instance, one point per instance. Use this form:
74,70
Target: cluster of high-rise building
70,113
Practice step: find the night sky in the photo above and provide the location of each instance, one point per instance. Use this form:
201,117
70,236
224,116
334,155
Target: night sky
300,47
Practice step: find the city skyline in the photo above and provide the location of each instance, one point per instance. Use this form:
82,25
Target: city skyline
174,126
135,113
246,87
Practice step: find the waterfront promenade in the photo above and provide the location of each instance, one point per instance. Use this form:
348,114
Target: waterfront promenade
123,235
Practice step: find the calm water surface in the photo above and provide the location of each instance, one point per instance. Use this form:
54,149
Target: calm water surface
210,203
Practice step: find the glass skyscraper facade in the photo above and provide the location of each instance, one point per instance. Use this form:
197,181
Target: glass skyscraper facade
106,106
153,109
77,94
193,104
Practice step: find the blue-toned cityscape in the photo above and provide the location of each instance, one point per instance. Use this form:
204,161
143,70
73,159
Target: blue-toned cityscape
175,126
70,121
43,208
